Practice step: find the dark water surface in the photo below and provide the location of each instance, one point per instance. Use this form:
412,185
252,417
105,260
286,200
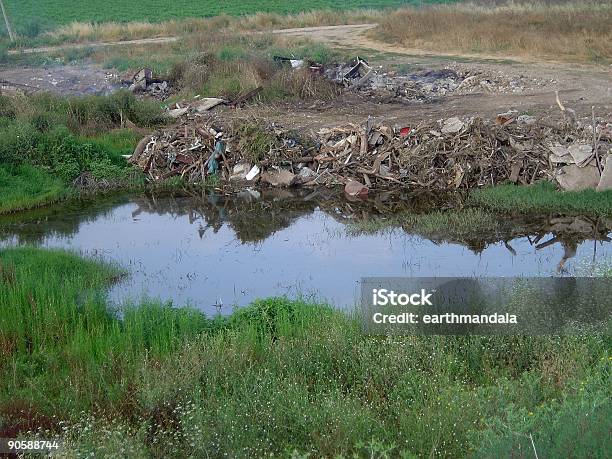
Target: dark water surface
214,251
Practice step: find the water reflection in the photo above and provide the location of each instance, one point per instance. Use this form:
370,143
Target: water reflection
214,250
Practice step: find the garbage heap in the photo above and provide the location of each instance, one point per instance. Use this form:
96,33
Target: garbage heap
423,85
143,83
446,155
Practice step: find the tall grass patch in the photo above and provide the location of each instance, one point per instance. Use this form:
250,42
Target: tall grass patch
47,141
571,31
64,347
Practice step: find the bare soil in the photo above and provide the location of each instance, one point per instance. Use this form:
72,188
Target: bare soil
67,80
580,86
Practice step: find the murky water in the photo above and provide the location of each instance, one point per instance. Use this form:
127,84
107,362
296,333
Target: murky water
214,251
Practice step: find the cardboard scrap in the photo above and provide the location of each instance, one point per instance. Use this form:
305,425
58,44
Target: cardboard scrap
581,153
574,178
605,182
280,177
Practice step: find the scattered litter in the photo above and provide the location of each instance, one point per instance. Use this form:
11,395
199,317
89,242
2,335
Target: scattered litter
141,80
240,171
245,97
254,172
178,112
356,189
527,119
405,131
207,103
6,85
426,85
280,177
452,126
582,154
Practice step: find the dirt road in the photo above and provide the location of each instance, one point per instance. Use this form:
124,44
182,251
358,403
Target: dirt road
324,33
100,44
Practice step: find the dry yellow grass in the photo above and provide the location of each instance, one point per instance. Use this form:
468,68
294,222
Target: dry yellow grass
570,32
82,32
110,31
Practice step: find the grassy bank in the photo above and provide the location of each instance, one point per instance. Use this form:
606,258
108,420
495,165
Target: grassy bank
569,31
494,213
24,187
279,377
47,141
541,197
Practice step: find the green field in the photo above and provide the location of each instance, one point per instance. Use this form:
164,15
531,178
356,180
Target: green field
45,14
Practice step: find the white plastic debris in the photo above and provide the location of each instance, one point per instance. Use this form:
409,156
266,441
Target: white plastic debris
254,172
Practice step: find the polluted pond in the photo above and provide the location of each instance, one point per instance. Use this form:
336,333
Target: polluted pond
215,251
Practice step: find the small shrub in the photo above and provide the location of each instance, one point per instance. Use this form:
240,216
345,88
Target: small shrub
44,121
104,169
7,109
255,141
193,73
94,114
4,56
67,156
302,84
17,140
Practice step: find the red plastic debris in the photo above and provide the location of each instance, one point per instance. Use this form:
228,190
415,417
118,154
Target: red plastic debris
405,131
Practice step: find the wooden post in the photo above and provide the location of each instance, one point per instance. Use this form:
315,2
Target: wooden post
6,21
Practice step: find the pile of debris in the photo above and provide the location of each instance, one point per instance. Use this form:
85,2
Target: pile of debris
475,80
423,85
196,149
450,154
189,150
144,83
445,155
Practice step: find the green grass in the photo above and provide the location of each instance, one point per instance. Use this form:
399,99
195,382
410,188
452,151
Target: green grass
47,141
541,197
32,16
488,209
23,187
66,341
459,223
115,143
160,64
278,378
